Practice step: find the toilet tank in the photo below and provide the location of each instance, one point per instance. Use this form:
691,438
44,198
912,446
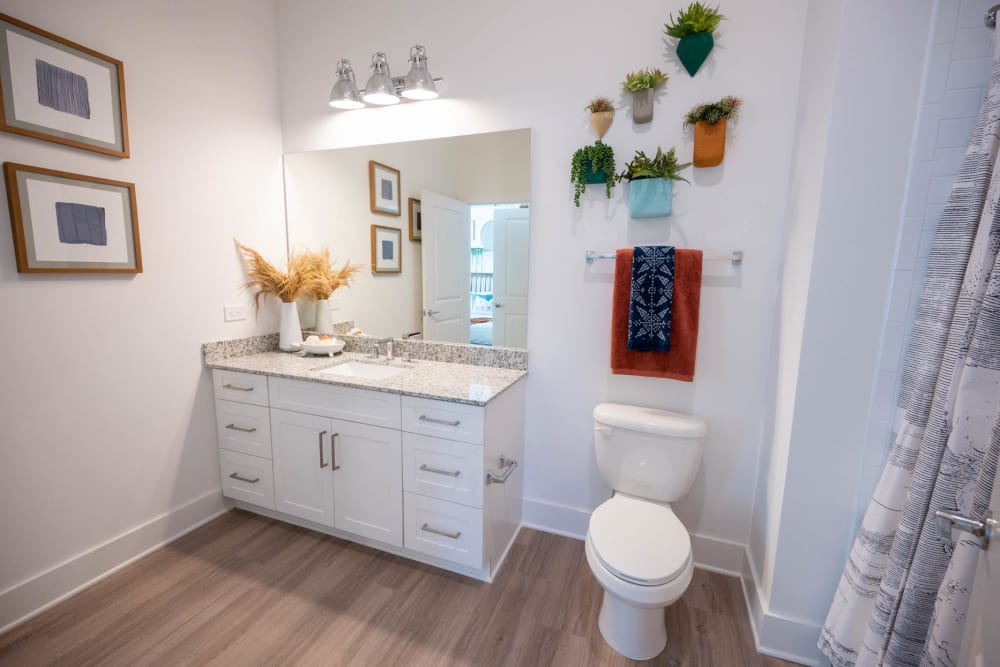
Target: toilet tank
653,454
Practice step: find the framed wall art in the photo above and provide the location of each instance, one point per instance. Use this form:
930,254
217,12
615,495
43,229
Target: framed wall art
71,223
386,247
56,90
416,222
383,189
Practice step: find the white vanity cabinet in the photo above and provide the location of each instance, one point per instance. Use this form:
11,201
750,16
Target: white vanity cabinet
405,474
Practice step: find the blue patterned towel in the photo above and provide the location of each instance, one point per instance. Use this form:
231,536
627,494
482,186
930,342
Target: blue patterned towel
651,304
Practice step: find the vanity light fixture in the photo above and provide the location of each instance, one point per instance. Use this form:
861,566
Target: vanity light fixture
383,89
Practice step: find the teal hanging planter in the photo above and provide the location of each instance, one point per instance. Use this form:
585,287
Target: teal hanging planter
650,198
693,50
594,177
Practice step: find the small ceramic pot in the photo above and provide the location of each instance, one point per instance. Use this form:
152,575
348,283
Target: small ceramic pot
650,198
709,143
601,121
642,105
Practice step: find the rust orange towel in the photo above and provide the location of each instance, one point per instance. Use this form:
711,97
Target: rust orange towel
678,363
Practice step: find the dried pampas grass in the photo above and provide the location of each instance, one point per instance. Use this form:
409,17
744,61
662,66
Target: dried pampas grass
330,278
301,277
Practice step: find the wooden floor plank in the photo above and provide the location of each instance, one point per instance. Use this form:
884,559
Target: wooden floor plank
247,590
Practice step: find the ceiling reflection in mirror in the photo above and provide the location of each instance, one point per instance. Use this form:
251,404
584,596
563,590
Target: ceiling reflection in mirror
440,226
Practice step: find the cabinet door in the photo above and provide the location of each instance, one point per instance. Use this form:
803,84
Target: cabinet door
368,481
303,479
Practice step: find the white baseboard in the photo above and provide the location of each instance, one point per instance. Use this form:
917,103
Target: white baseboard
776,635
33,596
710,553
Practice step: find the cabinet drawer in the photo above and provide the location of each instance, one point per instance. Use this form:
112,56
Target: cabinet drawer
441,419
364,406
443,469
247,478
240,387
243,428
444,530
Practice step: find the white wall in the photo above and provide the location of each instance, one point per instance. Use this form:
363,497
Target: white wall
807,531
530,64
327,204
106,412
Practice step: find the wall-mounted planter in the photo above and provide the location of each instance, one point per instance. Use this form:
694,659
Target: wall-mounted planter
594,177
650,198
693,51
709,143
601,121
642,105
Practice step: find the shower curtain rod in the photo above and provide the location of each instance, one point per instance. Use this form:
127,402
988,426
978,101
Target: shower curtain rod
991,16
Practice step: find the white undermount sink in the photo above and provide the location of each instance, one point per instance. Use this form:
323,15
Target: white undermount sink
356,369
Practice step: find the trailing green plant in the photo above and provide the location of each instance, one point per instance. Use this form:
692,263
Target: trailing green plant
599,104
725,109
643,79
663,165
698,17
597,158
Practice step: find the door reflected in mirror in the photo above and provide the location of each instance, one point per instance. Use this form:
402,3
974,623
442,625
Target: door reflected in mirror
464,226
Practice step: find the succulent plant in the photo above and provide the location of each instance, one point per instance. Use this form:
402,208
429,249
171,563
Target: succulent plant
643,79
697,17
663,165
599,104
725,109
597,158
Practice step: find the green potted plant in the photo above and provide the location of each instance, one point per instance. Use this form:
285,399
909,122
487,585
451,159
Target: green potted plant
592,164
651,183
643,85
602,112
693,29
709,121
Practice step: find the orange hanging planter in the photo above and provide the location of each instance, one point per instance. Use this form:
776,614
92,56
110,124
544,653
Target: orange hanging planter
710,122
709,143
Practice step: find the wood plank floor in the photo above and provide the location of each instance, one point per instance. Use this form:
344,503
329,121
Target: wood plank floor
246,590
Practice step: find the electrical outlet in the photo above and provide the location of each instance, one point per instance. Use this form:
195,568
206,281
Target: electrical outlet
235,313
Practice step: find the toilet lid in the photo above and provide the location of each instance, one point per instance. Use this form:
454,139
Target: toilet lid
639,541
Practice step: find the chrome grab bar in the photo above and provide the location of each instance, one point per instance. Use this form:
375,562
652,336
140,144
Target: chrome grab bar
507,466
438,471
425,418
333,450
443,533
236,388
240,428
244,479
321,463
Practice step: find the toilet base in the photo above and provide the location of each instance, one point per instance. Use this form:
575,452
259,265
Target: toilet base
635,632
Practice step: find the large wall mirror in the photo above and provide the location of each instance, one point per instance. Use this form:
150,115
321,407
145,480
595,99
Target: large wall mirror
462,248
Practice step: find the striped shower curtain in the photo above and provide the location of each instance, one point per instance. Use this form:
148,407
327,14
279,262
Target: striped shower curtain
904,591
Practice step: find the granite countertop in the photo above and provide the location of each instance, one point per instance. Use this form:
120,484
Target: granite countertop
457,383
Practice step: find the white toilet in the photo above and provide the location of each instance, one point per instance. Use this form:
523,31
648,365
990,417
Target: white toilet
637,548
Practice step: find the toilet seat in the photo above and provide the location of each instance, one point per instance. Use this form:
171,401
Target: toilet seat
639,541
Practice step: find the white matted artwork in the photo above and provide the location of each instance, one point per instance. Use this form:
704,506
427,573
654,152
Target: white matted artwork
383,189
67,223
53,89
386,248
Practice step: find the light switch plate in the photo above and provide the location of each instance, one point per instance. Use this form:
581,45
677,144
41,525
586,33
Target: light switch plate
235,313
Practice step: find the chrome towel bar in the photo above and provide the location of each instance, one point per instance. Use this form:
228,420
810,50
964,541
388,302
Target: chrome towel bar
736,257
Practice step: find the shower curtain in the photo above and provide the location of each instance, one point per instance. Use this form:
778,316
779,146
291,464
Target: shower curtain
902,596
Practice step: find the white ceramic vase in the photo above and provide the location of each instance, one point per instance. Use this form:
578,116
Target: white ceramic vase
324,321
290,339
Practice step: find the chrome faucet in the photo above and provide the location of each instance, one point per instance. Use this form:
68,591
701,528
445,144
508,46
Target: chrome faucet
375,348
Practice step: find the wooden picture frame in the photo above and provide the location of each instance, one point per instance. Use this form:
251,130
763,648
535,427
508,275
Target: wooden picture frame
416,220
57,90
383,189
387,247
71,223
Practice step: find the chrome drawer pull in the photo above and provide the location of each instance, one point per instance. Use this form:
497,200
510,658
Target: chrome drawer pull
240,428
321,463
425,418
438,471
236,476
236,388
507,466
443,533
333,450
